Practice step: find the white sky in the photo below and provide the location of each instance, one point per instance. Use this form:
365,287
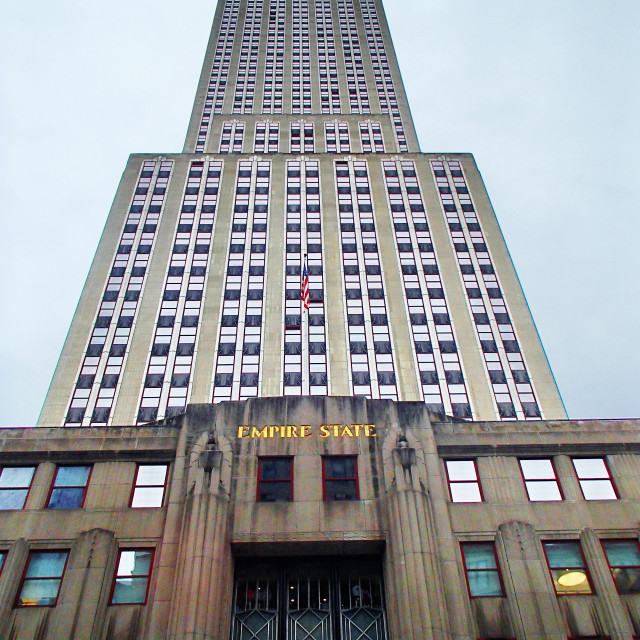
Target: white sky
544,93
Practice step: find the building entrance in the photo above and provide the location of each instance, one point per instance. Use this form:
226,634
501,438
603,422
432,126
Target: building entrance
310,599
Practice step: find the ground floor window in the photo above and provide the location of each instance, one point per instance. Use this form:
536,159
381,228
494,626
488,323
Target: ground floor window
337,598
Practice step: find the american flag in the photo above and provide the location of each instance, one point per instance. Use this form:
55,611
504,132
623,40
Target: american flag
304,287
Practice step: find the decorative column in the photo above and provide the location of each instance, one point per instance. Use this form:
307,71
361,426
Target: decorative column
200,601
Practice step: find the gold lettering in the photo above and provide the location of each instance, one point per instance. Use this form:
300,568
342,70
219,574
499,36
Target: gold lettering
260,433
346,431
292,432
305,431
370,430
273,429
336,429
356,429
243,431
324,431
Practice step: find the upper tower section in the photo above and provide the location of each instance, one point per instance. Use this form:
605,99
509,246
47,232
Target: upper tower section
299,60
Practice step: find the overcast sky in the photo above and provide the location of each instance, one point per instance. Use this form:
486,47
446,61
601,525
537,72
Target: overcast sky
545,94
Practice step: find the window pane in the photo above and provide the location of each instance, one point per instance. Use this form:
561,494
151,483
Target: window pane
339,467
72,476
543,490
627,579
465,492
340,490
484,583
622,554
598,490
568,581
134,563
151,474
130,591
46,564
563,554
66,499
275,469
461,470
537,469
16,476
479,556
275,491
38,592
3,555
590,468
147,497
12,498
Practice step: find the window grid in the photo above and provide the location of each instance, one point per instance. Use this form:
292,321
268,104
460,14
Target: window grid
504,362
541,480
381,71
336,136
439,366
102,365
595,479
43,574
482,570
248,62
372,366
300,59
327,66
274,64
132,577
69,487
168,376
302,140
266,138
232,137
623,557
237,371
275,479
219,71
356,83
566,563
15,484
149,486
340,478
305,342
463,480
371,137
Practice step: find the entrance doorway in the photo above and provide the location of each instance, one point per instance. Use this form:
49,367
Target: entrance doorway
317,598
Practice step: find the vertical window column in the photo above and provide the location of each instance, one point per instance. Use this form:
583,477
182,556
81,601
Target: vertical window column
356,83
300,61
232,137
439,366
504,361
371,137
372,366
104,357
302,140
336,135
274,65
219,70
327,66
247,65
266,138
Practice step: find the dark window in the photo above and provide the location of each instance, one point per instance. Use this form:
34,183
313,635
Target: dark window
481,569
275,479
131,581
69,487
15,483
567,567
340,478
41,582
623,557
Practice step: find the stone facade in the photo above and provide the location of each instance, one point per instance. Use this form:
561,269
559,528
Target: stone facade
212,519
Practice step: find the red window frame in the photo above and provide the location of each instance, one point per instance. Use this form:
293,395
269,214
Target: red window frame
616,566
583,568
85,486
534,480
3,555
467,570
262,459
147,576
28,488
476,481
608,477
17,604
138,486
353,478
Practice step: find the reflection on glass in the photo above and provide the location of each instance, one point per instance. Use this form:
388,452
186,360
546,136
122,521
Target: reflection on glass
42,579
624,560
567,568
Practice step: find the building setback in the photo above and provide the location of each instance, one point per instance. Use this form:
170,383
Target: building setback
302,396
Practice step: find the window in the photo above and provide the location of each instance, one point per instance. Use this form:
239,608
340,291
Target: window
340,478
3,557
148,486
464,485
42,577
481,569
131,582
69,487
567,567
623,557
15,483
541,480
595,479
275,479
